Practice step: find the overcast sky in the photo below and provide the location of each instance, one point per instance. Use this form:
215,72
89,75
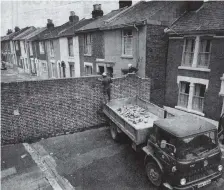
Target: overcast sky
36,13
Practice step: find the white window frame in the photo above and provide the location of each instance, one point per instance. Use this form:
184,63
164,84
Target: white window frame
192,82
41,47
31,48
51,48
123,43
88,64
72,47
87,44
196,53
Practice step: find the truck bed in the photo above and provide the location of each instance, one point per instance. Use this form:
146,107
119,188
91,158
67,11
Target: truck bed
138,132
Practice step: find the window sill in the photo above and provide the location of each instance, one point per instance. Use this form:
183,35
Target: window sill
194,68
190,111
87,55
127,56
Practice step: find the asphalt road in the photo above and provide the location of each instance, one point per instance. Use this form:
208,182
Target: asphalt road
91,160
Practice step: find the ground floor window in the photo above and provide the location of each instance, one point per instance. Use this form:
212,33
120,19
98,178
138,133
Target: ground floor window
198,97
88,68
102,67
44,66
54,70
72,69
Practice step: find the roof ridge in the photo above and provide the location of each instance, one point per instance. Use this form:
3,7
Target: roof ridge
122,12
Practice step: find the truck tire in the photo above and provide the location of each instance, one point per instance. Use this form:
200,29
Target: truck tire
154,173
114,133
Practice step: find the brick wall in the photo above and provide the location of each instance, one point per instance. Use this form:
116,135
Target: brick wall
155,68
212,100
58,106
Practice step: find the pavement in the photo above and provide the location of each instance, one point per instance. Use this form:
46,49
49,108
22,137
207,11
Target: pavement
12,74
88,160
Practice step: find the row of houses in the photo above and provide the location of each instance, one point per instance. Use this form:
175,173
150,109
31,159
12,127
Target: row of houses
178,44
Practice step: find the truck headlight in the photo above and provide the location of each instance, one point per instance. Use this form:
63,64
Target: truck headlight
220,167
183,181
174,168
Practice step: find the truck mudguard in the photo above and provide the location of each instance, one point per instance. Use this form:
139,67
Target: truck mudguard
150,155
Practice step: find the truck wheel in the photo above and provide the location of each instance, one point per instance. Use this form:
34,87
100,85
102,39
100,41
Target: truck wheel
114,133
154,174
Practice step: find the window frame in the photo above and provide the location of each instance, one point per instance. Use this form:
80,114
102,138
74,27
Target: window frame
31,49
123,54
87,64
51,48
41,47
88,45
70,47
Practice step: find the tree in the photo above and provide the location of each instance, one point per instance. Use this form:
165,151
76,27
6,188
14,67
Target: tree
9,31
17,29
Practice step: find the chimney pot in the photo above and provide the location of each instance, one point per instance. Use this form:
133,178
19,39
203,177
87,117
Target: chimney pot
72,13
97,12
49,21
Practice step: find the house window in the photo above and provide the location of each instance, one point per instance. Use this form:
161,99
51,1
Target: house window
100,69
88,68
41,46
127,42
54,70
204,53
88,44
196,52
110,71
183,94
198,97
51,48
70,47
26,63
72,69
17,45
188,53
44,66
31,49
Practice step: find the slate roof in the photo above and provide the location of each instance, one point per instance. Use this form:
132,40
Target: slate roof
209,17
99,22
71,30
12,35
185,125
34,33
23,34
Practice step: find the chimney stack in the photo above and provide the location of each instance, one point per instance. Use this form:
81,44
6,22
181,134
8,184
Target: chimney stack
123,4
73,18
97,12
194,5
50,24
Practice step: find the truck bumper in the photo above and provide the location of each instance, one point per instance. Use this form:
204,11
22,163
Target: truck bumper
194,185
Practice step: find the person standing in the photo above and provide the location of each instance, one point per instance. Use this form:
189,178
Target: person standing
106,82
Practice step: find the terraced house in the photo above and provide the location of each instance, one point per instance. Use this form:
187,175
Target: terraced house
195,64
131,34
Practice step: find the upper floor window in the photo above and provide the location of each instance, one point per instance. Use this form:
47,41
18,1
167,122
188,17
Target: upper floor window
31,49
17,45
88,44
51,48
127,39
196,52
41,46
70,47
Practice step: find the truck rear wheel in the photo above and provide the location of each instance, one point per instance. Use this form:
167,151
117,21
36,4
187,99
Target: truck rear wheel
154,174
114,133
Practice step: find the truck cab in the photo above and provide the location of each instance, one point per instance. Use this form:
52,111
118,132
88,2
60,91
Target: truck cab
183,153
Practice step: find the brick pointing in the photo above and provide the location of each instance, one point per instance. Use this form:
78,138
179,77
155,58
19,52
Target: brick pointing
53,107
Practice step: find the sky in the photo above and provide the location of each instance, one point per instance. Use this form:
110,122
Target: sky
35,13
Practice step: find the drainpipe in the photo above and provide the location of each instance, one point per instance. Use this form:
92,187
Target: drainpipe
137,46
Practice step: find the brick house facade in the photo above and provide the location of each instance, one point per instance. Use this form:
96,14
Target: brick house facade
195,61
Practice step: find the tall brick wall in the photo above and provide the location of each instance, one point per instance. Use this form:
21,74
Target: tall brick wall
51,107
212,100
155,68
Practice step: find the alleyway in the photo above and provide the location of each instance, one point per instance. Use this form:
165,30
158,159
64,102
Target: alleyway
89,160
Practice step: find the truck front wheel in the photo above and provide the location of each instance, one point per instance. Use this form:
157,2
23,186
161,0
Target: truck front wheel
154,174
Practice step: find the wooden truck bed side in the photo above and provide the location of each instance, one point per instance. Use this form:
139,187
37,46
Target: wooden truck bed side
137,132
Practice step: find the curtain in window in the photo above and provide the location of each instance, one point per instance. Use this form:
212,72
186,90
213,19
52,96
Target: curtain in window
88,44
204,53
189,52
183,94
127,42
198,98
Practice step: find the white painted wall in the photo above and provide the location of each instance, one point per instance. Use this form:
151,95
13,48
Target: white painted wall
66,58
